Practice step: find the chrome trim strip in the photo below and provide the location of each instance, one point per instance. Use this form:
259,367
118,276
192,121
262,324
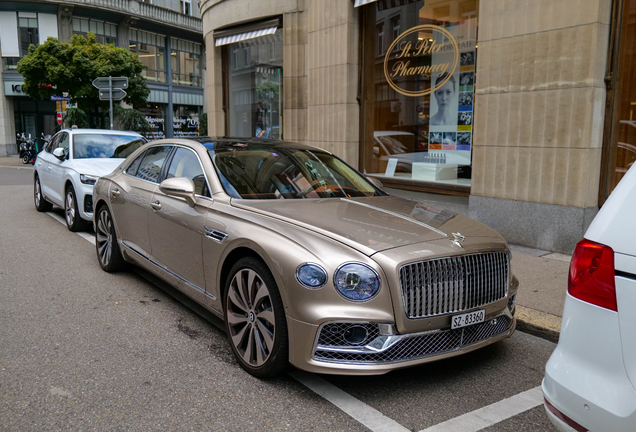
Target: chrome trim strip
169,271
401,216
215,235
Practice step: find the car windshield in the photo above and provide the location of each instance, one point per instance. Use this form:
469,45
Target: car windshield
104,145
253,173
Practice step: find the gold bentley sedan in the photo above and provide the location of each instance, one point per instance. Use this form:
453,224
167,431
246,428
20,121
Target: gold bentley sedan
307,261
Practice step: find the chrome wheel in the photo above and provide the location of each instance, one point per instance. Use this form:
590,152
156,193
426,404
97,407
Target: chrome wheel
70,207
104,238
41,204
250,317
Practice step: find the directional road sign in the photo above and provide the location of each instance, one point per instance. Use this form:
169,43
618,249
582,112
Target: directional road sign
116,82
118,94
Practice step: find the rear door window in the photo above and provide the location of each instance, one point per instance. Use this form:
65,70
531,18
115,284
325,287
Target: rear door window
152,163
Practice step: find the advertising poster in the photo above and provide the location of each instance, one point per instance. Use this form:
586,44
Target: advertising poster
451,105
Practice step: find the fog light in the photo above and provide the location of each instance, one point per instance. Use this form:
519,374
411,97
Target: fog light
355,335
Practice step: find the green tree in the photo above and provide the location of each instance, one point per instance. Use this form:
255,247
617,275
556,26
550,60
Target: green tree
54,67
77,117
131,119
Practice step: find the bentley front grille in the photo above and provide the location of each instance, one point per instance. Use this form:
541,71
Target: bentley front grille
450,285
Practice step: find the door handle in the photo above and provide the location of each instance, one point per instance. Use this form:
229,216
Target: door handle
115,193
156,205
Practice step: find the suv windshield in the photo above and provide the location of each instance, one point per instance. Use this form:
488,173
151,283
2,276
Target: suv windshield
104,145
287,173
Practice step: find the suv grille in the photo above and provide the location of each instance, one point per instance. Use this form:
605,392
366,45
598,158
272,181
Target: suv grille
454,284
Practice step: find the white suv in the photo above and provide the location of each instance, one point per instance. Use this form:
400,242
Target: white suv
71,163
590,378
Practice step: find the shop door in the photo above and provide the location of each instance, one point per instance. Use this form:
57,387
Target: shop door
621,151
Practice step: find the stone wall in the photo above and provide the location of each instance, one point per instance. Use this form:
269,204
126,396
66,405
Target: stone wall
540,99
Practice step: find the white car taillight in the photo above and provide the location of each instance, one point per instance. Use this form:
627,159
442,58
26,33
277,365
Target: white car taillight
592,274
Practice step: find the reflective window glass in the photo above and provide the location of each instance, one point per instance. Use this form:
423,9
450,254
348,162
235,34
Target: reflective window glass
419,91
151,164
186,164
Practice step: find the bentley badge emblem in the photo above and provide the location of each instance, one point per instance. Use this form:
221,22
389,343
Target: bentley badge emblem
458,240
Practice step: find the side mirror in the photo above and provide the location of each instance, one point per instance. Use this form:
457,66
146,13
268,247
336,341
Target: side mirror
179,187
375,182
59,153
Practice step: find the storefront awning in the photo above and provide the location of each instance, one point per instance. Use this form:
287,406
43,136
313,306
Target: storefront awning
249,31
384,4
363,2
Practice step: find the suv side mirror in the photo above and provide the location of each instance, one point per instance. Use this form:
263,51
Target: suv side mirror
179,187
59,153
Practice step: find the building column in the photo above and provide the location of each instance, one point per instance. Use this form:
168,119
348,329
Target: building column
332,54
295,76
214,88
540,105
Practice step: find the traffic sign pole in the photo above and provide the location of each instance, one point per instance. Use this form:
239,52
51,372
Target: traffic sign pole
110,90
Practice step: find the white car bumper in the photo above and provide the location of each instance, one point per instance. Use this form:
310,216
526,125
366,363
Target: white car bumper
585,377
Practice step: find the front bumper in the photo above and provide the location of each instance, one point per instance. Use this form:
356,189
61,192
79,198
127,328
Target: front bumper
379,354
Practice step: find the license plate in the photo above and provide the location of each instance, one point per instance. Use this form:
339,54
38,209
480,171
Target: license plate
470,318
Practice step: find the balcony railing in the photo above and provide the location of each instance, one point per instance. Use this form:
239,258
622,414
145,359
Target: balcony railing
141,10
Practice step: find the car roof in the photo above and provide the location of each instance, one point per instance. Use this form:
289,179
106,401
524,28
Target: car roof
100,131
215,144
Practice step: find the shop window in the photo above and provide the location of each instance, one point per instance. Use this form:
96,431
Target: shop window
155,115
186,120
150,49
254,83
419,93
105,33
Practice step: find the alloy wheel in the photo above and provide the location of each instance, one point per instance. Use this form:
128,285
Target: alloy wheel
250,317
38,194
70,207
104,238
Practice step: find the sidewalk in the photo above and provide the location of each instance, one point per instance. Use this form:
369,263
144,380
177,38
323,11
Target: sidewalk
543,282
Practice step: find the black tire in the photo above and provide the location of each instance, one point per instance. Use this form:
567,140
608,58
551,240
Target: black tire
74,221
256,326
108,254
41,204
26,159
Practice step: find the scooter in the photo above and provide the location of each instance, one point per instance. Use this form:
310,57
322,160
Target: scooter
27,149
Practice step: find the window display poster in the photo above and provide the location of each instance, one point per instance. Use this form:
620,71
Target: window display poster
451,106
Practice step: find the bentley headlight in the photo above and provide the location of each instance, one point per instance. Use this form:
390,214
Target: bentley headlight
88,179
357,282
311,275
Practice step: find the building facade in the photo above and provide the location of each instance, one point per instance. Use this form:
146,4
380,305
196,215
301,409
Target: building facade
524,108
166,35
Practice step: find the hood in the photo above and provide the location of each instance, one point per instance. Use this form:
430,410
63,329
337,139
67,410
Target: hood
371,224
97,166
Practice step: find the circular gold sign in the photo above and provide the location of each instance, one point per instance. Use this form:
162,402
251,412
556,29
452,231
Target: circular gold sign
406,52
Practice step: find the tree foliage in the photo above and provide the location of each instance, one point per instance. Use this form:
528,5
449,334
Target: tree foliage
55,67
131,120
75,116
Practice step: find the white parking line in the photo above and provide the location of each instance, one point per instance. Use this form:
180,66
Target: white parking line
492,414
377,422
363,413
86,236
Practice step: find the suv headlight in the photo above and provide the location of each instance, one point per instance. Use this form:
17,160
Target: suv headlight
88,179
357,281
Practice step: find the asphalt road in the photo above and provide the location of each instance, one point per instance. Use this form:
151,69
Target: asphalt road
82,349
